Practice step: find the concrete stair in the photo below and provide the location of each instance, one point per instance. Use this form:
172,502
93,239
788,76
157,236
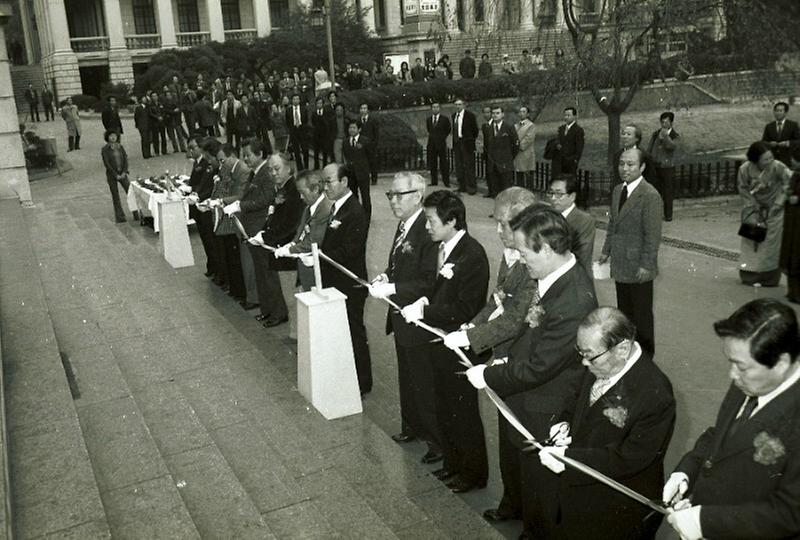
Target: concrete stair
184,421
510,42
21,77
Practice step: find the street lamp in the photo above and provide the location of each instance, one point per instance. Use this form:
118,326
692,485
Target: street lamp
321,12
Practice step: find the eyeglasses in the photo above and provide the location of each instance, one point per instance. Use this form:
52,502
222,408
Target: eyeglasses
392,194
554,194
591,359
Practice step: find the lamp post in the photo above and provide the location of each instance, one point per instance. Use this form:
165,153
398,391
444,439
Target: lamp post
322,13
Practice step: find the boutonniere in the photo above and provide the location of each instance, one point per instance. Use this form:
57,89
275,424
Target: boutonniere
616,415
271,210
446,271
280,198
335,224
406,247
768,449
499,295
535,315
359,145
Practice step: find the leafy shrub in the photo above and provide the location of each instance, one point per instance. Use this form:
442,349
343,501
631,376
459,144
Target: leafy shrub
121,91
86,103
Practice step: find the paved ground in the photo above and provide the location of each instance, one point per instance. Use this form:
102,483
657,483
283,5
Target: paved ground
188,406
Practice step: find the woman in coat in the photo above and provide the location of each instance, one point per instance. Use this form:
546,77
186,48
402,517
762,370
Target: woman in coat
115,160
70,114
790,246
525,160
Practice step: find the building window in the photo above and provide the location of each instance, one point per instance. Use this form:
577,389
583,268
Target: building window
231,19
478,11
144,20
279,13
380,9
188,19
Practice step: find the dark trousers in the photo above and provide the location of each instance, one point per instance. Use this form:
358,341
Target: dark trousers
665,184
74,143
119,213
438,162
635,300
793,287
227,249
299,149
205,228
268,285
232,136
564,166
510,468
34,112
465,166
322,151
358,336
417,397
48,111
360,188
372,159
207,130
158,138
144,136
463,442
175,131
498,178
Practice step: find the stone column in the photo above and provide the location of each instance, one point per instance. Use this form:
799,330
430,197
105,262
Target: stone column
526,15
393,19
60,64
559,14
166,24
13,174
369,16
215,26
451,15
262,17
120,67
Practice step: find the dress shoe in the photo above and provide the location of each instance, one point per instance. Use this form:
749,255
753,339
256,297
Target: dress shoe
364,393
460,485
208,274
270,322
431,457
247,305
443,474
487,196
493,515
260,318
121,220
403,438
472,192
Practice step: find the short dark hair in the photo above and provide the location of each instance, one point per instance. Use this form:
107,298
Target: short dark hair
781,104
228,149
363,104
524,51
641,156
105,135
543,225
769,325
498,107
571,184
332,93
667,114
211,146
257,147
448,207
468,51
484,55
573,109
756,150
294,95
614,326
319,99
344,171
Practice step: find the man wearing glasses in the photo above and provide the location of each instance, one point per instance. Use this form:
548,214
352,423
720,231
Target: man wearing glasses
410,274
542,370
562,193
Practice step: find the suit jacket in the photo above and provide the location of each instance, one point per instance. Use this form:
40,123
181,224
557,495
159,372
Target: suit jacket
502,148
296,132
649,167
247,121
437,135
413,273
571,145
624,435
155,112
514,291
283,218
204,113
357,156
582,226
543,370
311,230
663,150
525,159
140,117
255,201
320,124
345,242
108,160
466,67
110,118
469,130
790,132
370,131
486,134
458,299
747,486
633,235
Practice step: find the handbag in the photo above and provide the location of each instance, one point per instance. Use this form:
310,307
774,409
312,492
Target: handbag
757,231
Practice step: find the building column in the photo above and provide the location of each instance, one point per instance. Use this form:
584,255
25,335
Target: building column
60,65
166,24
451,15
262,17
526,14
559,14
393,18
215,26
369,16
120,67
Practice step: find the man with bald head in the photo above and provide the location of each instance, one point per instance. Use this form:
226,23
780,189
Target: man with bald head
632,241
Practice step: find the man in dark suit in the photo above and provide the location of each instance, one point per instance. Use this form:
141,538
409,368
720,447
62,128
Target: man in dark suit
158,133
297,125
542,370
438,127
110,117
320,123
356,155
465,131
202,183
782,134
172,121
410,274
457,296
562,194
346,243
570,144
141,120
496,327
247,121
205,114
32,99
418,71
632,240
742,478
283,216
273,90
664,149
47,103
369,128
620,422
466,67
501,148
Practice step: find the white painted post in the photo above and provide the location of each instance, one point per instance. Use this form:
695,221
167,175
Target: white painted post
173,237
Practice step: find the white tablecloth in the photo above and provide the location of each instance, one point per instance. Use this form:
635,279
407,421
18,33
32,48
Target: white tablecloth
144,201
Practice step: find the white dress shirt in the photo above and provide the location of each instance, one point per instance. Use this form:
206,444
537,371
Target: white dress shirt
766,398
450,245
611,381
568,211
546,282
313,208
633,185
339,202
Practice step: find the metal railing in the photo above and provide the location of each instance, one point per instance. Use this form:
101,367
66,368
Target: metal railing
89,44
143,41
190,39
241,34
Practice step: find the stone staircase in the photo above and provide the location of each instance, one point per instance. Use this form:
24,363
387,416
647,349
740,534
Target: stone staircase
510,42
21,77
143,403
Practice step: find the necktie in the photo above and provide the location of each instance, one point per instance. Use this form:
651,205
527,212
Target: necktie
440,258
363,120
352,141
598,389
623,196
750,405
398,241
496,129
435,118
297,116
780,127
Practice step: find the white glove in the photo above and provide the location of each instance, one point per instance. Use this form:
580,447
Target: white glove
381,278
185,188
307,260
203,206
416,311
475,376
467,326
687,523
382,289
547,459
193,199
284,251
674,489
257,240
214,202
456,340
232,208
559,434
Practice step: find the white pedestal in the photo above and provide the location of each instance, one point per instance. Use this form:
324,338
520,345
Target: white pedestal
326,369
173,238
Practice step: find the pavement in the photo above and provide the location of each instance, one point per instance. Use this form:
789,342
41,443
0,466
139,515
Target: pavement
188,409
